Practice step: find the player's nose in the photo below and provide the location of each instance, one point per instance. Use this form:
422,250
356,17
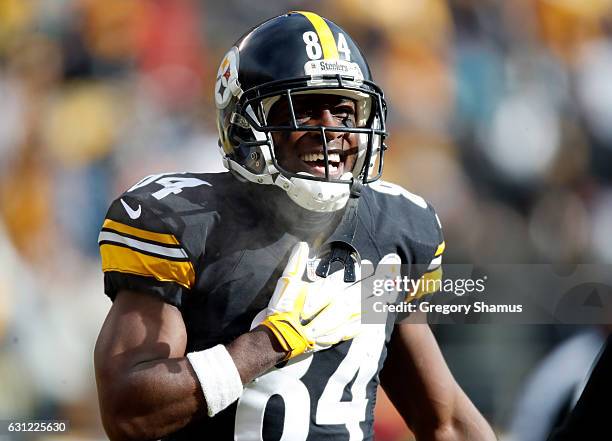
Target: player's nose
327,119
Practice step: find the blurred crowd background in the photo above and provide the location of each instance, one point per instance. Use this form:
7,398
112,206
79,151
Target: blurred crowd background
499,115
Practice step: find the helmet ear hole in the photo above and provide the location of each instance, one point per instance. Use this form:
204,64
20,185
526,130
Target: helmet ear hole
255,161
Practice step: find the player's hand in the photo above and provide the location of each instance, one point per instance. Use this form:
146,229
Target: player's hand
311,316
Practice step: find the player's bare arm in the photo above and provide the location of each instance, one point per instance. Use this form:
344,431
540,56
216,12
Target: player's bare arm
422,388
147,387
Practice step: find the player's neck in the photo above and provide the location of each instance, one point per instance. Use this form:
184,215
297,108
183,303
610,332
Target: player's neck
286,214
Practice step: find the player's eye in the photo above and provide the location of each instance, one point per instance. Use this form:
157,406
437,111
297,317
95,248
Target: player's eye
345,114
303,115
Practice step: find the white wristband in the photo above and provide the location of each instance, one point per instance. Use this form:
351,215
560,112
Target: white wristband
218,376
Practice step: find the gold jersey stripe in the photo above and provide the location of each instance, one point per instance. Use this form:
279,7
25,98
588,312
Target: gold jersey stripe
126,260
428,283
326,37
167,239
440,249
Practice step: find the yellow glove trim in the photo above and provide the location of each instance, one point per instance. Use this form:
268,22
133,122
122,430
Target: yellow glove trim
283,325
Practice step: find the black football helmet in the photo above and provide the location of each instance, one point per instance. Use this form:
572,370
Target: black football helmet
289,55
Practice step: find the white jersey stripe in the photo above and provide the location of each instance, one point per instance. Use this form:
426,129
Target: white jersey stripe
435,263
177,253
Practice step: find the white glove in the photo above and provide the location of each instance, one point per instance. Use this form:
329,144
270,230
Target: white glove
311,316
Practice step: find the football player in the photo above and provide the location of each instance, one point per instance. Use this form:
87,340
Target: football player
236,296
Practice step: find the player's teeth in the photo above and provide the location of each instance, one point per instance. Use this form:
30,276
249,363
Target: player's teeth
334,157
332,168
311,157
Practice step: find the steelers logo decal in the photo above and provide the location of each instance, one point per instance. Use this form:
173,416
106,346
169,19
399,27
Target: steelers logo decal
227,84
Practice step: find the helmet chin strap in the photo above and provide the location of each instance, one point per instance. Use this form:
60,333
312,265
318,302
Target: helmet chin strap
314,195
340,243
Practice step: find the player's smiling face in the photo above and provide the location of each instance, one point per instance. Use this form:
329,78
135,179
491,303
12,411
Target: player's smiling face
303,151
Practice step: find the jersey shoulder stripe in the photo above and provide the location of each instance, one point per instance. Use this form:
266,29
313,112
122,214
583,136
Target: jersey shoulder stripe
138,233
440,249
136,251
127,260
429,283
174,253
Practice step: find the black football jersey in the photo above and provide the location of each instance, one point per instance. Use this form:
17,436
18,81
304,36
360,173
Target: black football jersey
214,247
